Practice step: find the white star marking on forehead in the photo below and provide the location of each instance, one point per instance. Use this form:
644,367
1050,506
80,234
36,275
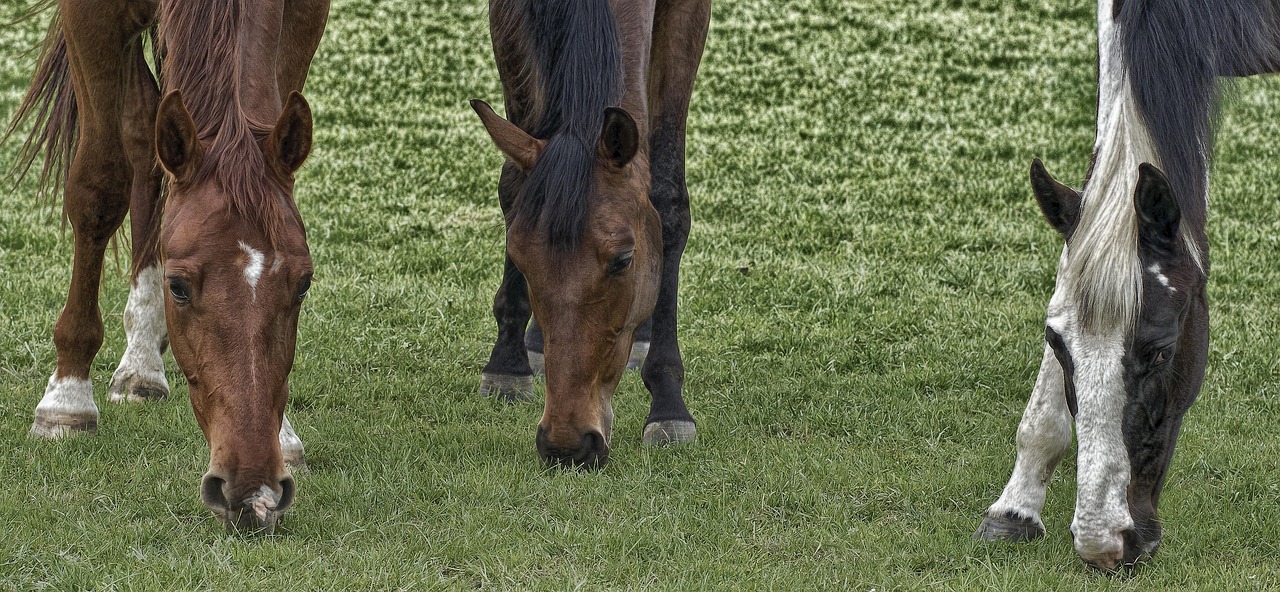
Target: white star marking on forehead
252,269
1156,272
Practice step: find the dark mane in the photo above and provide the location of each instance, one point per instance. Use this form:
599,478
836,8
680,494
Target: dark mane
199,44
1175,51
579,59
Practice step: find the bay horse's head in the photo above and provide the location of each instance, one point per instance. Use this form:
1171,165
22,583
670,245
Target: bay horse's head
236,270
1132,358
589,243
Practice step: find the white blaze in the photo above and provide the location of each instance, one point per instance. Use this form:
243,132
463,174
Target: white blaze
253,269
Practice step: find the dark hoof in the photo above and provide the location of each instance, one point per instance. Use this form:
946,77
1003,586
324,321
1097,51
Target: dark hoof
669,431
538,362
133,388
506,387
51,425
1008,527
639,350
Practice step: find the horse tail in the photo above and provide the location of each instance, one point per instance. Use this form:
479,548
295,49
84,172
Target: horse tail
50,103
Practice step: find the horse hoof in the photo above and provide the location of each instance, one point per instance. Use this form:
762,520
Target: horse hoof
670,431
56,424
1008,527
507,388
135,388
639,350
538,362
295,459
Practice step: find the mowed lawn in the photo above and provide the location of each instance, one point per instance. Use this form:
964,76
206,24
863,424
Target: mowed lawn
862,312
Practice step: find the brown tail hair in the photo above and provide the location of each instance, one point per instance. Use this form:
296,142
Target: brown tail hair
51,103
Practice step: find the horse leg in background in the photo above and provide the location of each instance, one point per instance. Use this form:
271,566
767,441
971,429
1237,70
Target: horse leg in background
508,375
533,343
679,35
96,199
304,22
640,344
1044,435
140,375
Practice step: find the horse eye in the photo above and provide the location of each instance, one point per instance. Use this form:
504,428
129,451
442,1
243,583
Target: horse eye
621,263
303,288
1162,356
179,290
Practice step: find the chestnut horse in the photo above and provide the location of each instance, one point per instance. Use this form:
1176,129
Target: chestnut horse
220,263
593,189
1127,330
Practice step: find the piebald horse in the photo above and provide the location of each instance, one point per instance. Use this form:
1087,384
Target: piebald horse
597,212
220,259
1126,336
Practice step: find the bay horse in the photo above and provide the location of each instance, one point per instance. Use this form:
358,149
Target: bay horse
1126,337
597,212
220,263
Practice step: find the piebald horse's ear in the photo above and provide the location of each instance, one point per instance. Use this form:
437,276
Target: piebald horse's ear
1158,212
290,140
519,146
1060,204
177,145
619,137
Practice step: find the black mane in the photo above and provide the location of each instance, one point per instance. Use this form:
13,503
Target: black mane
1175,51
579,58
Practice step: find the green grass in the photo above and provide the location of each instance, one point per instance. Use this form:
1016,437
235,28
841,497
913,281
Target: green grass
857,387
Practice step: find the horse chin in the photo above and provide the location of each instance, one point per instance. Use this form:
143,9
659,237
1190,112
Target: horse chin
259,514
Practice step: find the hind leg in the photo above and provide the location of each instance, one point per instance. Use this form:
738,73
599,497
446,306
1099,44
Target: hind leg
140,375
508,376
679,35
1044,435
96,198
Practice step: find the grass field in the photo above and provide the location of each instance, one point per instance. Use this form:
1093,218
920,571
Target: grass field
862,305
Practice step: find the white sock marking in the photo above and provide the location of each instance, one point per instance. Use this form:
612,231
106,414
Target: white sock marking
145,332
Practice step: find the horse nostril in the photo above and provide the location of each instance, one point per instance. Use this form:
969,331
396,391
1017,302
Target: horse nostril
594,453
287,488
212,494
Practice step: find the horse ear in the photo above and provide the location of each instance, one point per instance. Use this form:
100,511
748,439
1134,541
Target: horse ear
176,143
1059,203
519,146
620,139
290,141
1158,213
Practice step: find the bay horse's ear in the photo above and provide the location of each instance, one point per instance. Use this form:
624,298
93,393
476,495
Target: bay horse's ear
176,143
290,141
620,139
1158,213
519,146
1059,203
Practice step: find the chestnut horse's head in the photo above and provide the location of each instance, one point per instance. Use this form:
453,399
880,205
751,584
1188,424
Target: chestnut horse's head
589,243
236,269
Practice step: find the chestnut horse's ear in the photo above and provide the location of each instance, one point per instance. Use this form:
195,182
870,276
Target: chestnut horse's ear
176,143
620,138
1158,214
519,146
290,141
1060,204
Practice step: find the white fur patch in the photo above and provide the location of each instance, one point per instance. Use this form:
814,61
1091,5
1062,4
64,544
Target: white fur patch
1044,434
1156,272
289,440
253,269
68,395
145,332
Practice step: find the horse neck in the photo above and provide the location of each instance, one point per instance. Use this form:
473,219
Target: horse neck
259,43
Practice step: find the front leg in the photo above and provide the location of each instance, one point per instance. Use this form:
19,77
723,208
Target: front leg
508,375
1044,435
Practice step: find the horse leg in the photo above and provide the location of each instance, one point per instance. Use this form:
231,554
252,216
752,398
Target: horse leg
533,343
140,375
96,199
508,375
1044,435
679,35
640,344
304,22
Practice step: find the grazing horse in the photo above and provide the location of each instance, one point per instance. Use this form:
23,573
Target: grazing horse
1126,336
220,263
597,212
